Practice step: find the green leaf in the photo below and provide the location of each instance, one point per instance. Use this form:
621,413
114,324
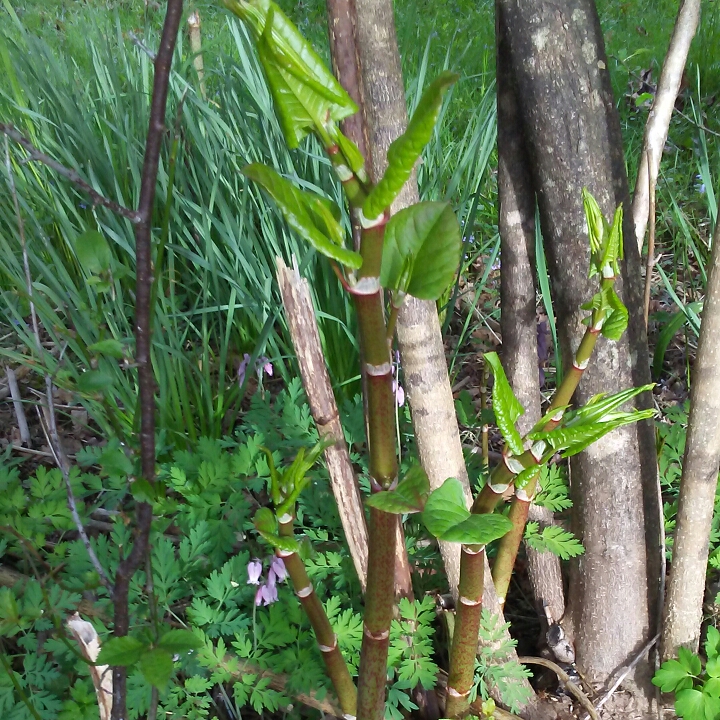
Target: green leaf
305,93
712,642
690,704
690,661
94,381
305,213
553,539
430,235
266,524
506,406
179,641
352,154
616,318
405,150
111,347
712,667
93,252
447,517
156,667
122,651
672,676
408,497
712,687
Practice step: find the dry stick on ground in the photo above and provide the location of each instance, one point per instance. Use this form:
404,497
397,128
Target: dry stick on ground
686,581
516,221
196,47
17,404
143,336
658,124
650,260
53,437
72,175
566,681
300,316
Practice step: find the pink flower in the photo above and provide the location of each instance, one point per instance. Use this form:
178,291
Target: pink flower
254,570
268,368
258,594
278,567
242,369
269,593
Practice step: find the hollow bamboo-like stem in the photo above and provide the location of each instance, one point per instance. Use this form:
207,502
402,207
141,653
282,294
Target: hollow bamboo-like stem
467,628
335,665
510,542
367,295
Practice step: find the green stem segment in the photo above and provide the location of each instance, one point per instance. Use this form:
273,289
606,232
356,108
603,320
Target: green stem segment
335,665
467,629
510,543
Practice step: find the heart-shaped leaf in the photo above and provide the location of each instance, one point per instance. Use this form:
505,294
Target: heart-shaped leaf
122,651
309,215
408,497
156,667
447,517
93,252
305,93
506,406
405,150
428,234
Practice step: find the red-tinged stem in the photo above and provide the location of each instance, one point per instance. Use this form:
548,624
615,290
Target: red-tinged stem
335,665
379,601
467,628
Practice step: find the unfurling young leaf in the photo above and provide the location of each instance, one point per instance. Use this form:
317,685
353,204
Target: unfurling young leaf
506,406
408,497
606,241
309,215
405,150
447,518
305,93
428,236
266,524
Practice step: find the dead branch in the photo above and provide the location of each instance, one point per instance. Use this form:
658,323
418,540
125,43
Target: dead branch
73,176
658,124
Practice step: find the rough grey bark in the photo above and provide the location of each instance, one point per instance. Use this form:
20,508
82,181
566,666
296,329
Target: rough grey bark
516,222
573,134
686,582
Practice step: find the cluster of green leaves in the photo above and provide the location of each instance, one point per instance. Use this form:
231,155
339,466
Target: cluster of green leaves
696,689
495,669
199,632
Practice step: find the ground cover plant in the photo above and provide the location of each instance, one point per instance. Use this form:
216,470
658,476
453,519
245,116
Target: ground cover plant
204,354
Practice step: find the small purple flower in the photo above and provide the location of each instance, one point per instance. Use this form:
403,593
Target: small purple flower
259,594
263,364
242,369
399,393
254,570
278,568
269,593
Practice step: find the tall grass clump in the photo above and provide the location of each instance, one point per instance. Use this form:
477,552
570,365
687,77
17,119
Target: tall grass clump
216,238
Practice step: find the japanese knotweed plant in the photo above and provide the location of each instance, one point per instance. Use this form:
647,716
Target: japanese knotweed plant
413,252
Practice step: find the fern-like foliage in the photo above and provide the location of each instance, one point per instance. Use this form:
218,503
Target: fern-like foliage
553,539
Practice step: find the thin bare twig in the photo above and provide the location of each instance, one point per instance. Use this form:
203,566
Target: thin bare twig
650,261
622,676
143,336
10,131
53,440
53,437
17,405
567,682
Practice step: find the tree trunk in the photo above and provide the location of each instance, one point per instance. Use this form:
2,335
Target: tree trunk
516,222
686,583
573,134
